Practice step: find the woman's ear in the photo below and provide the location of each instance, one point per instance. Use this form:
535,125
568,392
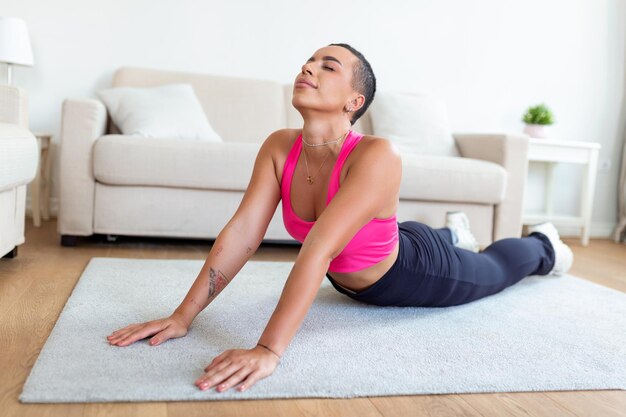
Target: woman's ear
357,102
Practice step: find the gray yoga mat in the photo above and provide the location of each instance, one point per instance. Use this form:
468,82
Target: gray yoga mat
541,334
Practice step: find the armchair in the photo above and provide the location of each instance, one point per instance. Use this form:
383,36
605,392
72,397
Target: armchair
19,159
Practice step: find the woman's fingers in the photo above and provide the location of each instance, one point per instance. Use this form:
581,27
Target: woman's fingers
219,358
216,376
215,361
126,330
212,379
162,330
141,332
234,379
218,367
249,381
122,330
159,338
162,336
137,335
237,366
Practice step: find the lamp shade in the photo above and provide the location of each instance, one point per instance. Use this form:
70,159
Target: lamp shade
15,42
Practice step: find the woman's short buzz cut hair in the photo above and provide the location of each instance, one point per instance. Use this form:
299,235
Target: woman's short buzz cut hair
363,80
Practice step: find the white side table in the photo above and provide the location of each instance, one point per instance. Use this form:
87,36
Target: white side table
40,186
552,151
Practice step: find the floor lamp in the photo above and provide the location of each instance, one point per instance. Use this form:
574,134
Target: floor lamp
15,46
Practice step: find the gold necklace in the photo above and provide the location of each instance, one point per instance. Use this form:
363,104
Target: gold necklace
324,143
309,178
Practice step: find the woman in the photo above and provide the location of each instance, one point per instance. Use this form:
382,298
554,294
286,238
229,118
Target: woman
340,194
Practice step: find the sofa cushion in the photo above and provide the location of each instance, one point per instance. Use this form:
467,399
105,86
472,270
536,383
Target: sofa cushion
450,178
240,109
136,160
415,123
171,110
127,160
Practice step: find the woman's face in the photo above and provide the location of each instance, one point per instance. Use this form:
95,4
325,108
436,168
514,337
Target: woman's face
329,70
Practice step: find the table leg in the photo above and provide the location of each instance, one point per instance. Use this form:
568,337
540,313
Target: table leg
549,188
35,189
587,195
45,203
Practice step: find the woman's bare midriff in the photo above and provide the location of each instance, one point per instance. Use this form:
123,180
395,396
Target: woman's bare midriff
365,278
358,280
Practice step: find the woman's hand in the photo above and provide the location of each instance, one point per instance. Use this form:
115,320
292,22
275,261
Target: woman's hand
163,329
237,365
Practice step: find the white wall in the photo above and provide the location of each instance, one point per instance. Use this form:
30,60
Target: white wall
489,60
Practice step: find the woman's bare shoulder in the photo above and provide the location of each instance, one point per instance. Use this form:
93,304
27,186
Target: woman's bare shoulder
378,144
282,139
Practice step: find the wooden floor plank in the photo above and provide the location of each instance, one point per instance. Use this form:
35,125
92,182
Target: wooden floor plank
126,409
24,330
424,405
35,286
592,403
361,407
337,407
516,404
233,408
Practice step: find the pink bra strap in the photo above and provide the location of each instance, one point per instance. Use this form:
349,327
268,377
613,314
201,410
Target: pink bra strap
352,140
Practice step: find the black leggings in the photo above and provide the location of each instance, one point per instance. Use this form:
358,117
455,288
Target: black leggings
431,272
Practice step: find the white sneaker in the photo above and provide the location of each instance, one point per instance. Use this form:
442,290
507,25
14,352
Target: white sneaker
564,257
459,223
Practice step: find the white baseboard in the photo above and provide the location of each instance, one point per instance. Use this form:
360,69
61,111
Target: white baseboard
600,230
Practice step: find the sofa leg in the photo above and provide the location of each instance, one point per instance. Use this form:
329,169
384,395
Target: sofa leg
11,254
69,240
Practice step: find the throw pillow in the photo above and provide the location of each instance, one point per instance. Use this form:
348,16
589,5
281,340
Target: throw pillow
166,111
415,123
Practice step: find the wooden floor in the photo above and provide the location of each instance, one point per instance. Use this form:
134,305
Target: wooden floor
35,286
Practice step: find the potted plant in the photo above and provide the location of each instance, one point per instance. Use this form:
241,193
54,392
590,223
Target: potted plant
536,119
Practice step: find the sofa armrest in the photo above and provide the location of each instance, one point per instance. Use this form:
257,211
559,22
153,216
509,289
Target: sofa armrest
83,121
13,106
19,156
511,151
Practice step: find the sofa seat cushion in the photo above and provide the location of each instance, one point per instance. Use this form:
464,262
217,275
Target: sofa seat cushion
451,178
136,160
19,156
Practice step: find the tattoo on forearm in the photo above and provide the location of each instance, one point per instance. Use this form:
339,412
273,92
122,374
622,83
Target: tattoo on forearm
249,249
218,251
217,282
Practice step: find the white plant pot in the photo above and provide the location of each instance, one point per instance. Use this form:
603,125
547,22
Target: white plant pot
536,131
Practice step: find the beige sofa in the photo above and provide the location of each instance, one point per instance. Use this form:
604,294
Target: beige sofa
19,159
113,184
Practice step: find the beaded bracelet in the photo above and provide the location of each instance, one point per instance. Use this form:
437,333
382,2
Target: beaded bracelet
258,344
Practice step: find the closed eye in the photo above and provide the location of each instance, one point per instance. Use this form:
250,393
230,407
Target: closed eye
329,68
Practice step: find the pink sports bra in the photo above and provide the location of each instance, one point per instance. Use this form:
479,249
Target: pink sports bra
371,244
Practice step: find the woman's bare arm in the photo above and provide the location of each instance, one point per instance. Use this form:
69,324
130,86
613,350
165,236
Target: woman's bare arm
243,234
230,252
232,248
298,295
361,196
